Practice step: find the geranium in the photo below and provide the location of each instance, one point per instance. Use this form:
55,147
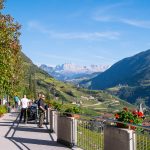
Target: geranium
128,116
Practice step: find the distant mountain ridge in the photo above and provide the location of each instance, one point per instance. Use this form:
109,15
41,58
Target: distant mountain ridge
69,71
129,78
132,71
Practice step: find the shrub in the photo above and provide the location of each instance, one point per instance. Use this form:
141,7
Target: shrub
128,116
3,109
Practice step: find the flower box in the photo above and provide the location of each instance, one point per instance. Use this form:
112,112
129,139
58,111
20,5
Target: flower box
128,117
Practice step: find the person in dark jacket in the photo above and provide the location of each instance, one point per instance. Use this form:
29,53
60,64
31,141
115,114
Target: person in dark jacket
42,110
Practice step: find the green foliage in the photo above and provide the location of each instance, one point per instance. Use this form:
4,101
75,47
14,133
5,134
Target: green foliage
10,58
73,110
133,94
3,109
128,116
53,104
57,106
1,4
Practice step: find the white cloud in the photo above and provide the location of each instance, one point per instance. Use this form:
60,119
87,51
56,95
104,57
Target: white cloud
33,25
105,13
87,35
137,23
59,57
108,8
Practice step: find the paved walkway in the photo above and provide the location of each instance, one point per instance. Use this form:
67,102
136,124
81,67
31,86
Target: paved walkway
15,136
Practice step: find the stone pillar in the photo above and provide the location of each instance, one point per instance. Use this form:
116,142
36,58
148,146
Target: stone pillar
55,121
67,131
47,116
52,120
119,139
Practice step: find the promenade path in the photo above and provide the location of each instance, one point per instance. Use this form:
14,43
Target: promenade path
15,136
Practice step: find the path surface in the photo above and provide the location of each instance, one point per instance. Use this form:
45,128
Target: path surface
15,136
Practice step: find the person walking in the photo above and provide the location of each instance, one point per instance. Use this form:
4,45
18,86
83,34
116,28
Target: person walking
42,110
16,100
24,106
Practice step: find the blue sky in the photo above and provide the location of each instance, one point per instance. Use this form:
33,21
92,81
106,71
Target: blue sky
83,32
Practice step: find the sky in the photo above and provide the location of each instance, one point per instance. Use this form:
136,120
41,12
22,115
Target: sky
81,32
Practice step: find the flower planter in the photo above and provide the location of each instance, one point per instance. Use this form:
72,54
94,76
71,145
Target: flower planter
76,116
122,125
128,116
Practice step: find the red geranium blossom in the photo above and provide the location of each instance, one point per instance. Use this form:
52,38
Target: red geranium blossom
140,114
131,121
117,116
134,112
129,116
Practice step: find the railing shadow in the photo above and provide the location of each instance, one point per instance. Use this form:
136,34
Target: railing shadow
21,142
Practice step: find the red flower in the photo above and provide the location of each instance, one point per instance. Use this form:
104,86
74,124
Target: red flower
131,121
134,112
117,116
133,127
140,114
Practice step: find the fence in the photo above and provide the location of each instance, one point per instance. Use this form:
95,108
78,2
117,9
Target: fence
99,135
90,135
143,138
104,135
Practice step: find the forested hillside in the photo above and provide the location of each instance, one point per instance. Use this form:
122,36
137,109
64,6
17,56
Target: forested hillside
129,78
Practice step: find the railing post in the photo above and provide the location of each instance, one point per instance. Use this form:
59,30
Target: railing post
53,120
47,116
67,131
119,139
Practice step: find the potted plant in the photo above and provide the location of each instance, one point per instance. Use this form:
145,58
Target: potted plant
128,116
72,111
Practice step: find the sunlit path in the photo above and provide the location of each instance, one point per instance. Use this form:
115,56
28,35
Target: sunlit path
25,136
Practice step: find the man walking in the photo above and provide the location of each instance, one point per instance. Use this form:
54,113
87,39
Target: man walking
24,106
41,111
16,99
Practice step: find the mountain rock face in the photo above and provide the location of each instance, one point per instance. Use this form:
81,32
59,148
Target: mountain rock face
69,71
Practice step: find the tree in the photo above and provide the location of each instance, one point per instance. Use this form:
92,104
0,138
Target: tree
10,54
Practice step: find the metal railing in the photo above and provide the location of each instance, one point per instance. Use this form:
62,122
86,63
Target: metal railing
142,138
90,135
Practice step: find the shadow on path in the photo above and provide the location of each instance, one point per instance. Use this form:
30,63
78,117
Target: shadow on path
31,129
28,136
35,141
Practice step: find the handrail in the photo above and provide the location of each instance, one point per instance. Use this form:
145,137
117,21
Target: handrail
129,124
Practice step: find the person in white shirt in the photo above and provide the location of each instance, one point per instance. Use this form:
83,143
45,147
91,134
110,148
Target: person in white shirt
4,101
24,106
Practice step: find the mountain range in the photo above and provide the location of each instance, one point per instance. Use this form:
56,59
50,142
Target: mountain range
69,71
129,78
37,80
